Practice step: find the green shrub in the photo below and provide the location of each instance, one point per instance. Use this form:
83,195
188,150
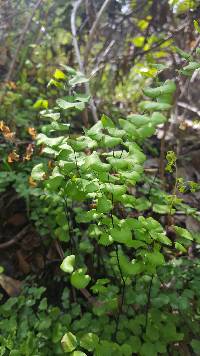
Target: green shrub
29,325
115,243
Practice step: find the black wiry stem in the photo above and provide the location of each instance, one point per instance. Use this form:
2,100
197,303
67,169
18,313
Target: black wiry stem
148,302
77,168
67,214
122,291
122,288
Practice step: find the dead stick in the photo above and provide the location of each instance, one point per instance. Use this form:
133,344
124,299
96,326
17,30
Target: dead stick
13,241
93,30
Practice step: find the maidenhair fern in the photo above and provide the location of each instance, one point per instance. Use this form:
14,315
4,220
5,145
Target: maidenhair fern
99,172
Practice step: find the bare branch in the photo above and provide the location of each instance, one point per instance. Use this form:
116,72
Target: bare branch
93,30
74,34
24,32
15,239
189,107
102,60
78,56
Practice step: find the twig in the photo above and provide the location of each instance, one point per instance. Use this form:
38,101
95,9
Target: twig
93,30
23,34
17,238
188,107
189,80
102,61
74,34
79,60
161,41
59,249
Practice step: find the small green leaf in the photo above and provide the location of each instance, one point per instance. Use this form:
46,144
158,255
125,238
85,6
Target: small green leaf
162,238
138,120
41,103
59,127
107,122
58,74
104,205
148,349
69,70
118,163
63,104
183,54
196,26
43,304
130,268
13,353
51,142
159,66
135,342
138,41
116,132
89,341
155,258
93,162
69,342
168,87
82,143
161,209
146,131
142,204
52,115
152,105
82,97
180,247
68,263
195,343
38,172
80,280
79,78
105,239
126,350
129,128
116,190
67,166
183,233
190,68
123,235
110,142
128,200
95,131
157,118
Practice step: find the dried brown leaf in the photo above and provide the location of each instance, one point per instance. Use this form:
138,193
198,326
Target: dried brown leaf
11,286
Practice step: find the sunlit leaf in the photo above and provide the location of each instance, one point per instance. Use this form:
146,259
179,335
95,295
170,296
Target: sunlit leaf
69,342
68,263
